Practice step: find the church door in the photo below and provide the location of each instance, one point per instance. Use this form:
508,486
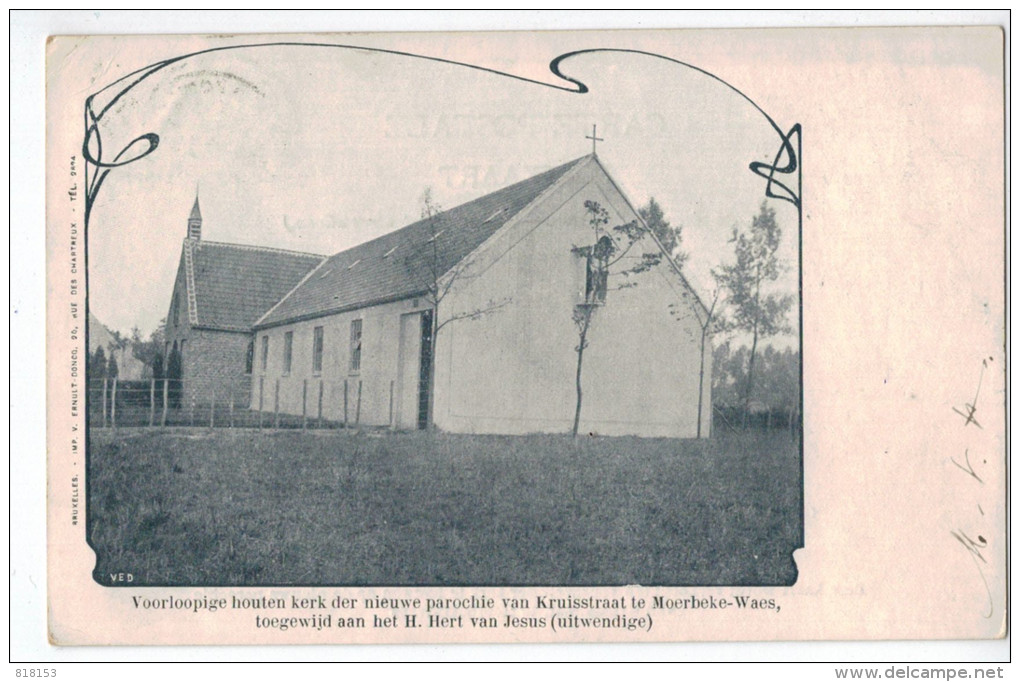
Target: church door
414,364
424,369
408,371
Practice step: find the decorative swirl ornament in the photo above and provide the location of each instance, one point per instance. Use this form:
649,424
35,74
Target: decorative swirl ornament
96,168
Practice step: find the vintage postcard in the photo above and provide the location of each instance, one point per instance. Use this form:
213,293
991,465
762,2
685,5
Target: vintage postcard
634,336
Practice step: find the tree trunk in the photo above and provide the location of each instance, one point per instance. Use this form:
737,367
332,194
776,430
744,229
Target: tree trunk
430,403
750,375
754,343
701,378
580,359
577,409
436,300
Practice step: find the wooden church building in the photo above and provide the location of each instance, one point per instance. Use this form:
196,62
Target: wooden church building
355,334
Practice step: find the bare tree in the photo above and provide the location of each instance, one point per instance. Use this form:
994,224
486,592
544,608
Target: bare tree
608,248
438,279
761,314
710,323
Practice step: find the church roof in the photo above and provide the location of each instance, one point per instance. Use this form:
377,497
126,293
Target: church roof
234,285
399,264
196,214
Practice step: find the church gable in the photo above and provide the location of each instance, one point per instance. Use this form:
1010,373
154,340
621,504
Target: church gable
515,371
231,286
227,287
179,314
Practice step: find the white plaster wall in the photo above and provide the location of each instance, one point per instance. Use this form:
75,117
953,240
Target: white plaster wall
513,371
380,334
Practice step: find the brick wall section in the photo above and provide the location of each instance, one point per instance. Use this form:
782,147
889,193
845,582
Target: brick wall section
214,364
214,361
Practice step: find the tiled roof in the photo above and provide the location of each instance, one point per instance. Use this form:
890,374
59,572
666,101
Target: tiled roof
398,265
235,285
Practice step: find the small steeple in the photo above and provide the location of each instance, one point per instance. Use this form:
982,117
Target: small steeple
195,221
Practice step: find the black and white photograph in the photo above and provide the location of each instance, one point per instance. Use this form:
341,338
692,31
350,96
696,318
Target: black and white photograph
358,317
566,336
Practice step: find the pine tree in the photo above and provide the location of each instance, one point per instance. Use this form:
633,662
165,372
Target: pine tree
670,237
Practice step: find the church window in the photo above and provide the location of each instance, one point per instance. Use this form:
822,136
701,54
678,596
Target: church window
355,345
317,350
288,351
265,353
249,356
596,281
597,270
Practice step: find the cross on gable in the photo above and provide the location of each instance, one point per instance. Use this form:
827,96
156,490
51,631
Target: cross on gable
595,139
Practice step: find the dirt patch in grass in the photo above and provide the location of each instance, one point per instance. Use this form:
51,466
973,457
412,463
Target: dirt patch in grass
225,507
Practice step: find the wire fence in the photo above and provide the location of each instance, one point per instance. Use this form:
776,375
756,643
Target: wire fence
311,404
760,417
114,403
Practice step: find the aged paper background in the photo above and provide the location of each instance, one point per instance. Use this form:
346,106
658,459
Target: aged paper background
903,302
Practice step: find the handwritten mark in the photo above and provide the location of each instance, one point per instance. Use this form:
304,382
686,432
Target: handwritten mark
968,469
974,548
971,407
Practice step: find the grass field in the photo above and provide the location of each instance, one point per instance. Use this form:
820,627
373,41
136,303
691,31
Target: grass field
240,507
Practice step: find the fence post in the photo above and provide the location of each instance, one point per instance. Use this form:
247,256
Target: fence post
152,402
212,410
262,382
345,404
319,423
104,402
231,409
357,410
192,407
276,406
113,404
166,400
392,425
304,403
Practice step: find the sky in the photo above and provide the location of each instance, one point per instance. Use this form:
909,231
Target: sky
318,149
